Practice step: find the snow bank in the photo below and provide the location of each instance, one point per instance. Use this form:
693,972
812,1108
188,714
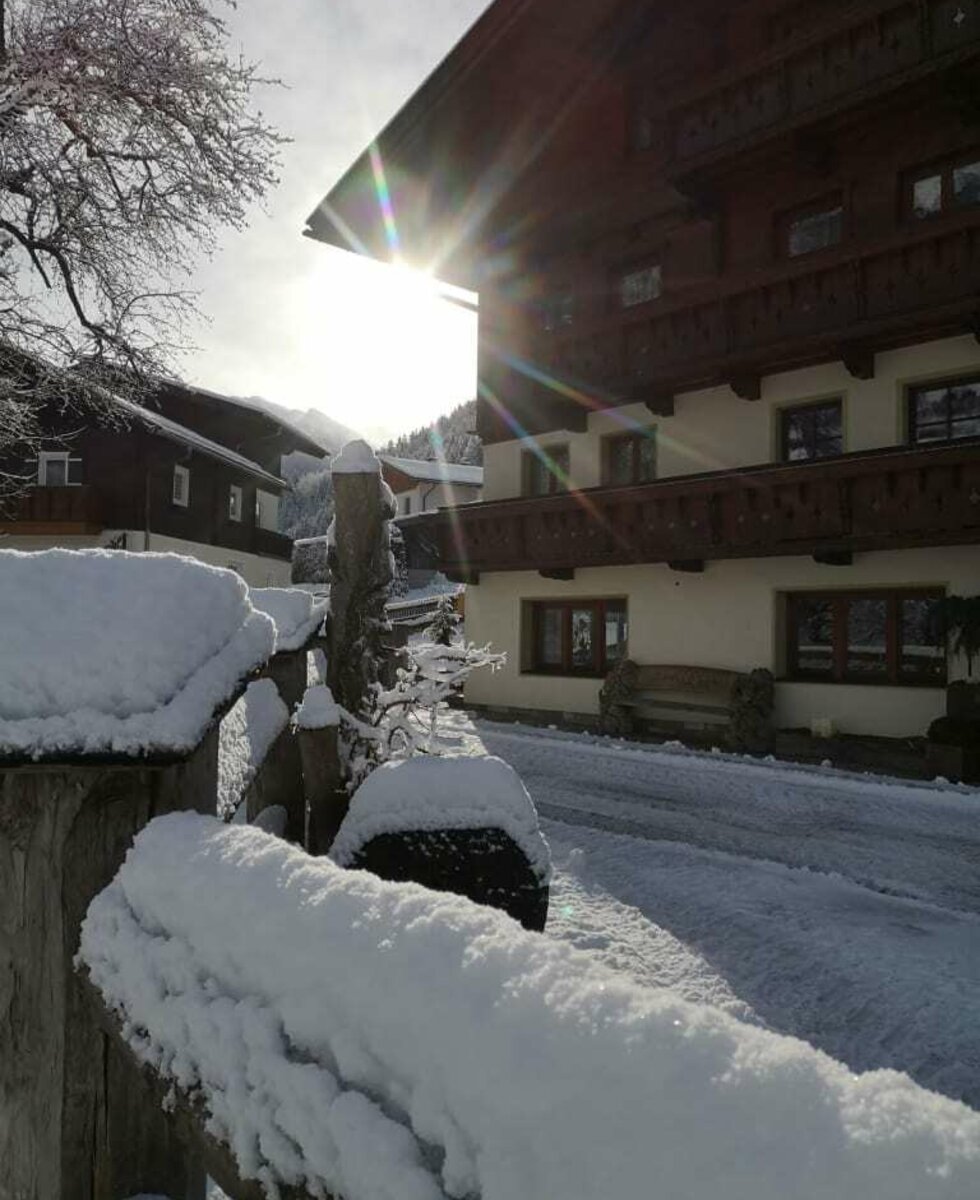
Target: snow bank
356,458
318,709
246,736
107,652
443,793
522,1067
296,613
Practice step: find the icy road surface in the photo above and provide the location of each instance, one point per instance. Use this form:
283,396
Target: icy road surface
840,908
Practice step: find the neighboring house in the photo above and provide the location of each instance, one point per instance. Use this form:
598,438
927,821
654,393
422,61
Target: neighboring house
728,258
421,486
196,473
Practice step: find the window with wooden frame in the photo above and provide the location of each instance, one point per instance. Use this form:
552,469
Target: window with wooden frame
811,431
943,187
947,411
181,488
889,636
546,471
58,468
576,637
639,285
811,227
630,458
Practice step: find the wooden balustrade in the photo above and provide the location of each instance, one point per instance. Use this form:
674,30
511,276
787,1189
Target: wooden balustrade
49,510
866,501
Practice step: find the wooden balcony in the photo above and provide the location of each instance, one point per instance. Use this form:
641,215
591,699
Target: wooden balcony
272,544
885,45
921,284
879,500
54,510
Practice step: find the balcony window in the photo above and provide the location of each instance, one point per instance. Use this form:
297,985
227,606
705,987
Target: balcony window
57,468
546,471
944,412
953,185
181,489
640,286
807,230
631,458
234,503
576,637
266,510
558,312
810,431
885,637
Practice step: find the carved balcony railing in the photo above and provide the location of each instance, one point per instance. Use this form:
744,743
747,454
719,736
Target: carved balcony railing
884,46
866,501
49,510
928,283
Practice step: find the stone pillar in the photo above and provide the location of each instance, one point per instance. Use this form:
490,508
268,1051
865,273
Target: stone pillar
76,1120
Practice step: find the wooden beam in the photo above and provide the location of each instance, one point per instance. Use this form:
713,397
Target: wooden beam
661,405
746,387
689,566
564,573
834,558
859,361
186,1111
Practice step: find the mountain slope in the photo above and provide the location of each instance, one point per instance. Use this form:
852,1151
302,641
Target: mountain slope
456,431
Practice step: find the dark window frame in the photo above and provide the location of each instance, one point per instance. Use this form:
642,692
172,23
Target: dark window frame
810,406
828,203
600,660
944,168
840,599
913,389
636,439
556,487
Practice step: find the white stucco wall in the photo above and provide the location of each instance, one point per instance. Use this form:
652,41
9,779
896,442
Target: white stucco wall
256,569
725,617
713,430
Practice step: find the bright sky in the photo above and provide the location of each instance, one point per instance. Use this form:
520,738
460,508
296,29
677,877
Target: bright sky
299,322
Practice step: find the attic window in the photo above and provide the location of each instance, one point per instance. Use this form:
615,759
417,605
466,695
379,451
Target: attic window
55,468
816,227
639,286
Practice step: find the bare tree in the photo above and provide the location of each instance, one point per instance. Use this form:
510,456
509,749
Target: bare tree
126,140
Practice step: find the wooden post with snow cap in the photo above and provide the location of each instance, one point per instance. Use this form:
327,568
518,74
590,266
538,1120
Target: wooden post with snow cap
327,802
361,572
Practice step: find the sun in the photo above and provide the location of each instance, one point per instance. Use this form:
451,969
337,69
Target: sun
389,352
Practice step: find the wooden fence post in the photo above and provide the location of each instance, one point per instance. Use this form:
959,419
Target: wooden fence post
326,798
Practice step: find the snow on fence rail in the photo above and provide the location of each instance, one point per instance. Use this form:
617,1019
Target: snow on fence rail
387,1043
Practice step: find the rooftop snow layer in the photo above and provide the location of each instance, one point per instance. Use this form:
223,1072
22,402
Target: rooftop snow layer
296,612
443,793
104,652
436,472
373,1039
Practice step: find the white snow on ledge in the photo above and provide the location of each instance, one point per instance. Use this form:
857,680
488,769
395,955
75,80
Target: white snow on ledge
525,1067
297,614
443,793
104,652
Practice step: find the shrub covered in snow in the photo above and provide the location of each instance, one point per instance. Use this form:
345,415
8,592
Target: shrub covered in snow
108,652
309,563
377,1040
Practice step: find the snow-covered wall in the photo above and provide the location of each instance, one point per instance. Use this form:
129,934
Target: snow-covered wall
388,1043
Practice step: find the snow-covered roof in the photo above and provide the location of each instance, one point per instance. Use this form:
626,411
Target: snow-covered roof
105,652
168,428
297,614
435,472
443,793
379,1039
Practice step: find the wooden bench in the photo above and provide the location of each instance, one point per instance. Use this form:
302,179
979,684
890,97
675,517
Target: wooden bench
671,698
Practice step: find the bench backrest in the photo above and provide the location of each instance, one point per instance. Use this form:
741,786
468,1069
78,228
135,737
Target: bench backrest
688,681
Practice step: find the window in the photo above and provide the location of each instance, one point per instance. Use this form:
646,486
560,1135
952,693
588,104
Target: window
944,188
546,471
558,311
235,503
54,468
181,493
266,510
631,458
639,287
810,431
944,412
887,637
577,637
816,227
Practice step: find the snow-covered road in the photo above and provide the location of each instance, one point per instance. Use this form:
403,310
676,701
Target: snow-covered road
839,908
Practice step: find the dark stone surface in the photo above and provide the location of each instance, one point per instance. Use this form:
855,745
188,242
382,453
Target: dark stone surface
484,864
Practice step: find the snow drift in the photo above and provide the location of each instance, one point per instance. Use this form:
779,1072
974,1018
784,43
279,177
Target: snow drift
247,733
297,614
107,652
390,1043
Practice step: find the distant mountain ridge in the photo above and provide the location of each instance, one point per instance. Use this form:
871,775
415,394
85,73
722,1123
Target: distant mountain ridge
324,430
460,442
